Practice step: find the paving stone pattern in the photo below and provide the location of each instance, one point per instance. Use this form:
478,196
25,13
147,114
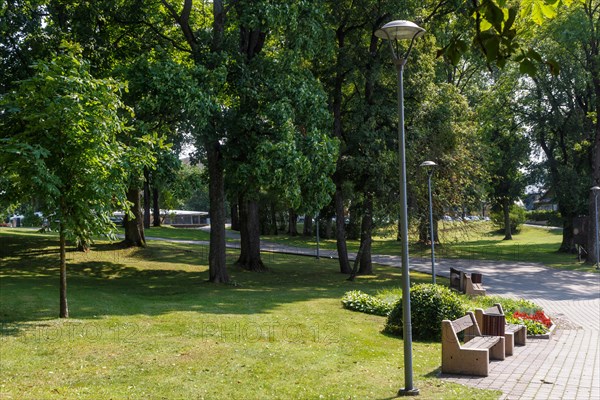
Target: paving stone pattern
566,366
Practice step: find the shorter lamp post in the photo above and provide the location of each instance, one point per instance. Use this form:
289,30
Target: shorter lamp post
596,190
430,165
317,218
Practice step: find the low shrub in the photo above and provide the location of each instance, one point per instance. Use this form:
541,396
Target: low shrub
430,304
359,301
552,218
510,306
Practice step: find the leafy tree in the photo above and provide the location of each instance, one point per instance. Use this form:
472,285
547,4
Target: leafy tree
276,142
508,147
69,123
562,113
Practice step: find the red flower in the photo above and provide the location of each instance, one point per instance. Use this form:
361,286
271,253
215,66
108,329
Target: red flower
539,316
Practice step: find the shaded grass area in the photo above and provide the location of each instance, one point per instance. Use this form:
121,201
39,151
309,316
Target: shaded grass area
146,324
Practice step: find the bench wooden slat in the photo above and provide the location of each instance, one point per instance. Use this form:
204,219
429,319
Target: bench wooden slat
481,342
462,323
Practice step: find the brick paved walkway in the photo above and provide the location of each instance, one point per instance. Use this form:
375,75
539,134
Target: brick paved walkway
566,366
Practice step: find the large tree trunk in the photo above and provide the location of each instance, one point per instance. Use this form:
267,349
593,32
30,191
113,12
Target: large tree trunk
591,11
340,233
146,198
568,238
250,237
273,210
293,223
308,224
366,232
217,265
506,212
134,227
64,308
156,207
593,224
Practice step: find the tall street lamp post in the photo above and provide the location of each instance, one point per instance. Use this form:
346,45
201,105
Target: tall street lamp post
394,32
596,190
430,165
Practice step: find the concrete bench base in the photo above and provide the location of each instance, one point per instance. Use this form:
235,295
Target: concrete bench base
473,356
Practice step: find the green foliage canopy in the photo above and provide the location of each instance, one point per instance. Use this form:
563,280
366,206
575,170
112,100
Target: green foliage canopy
60,143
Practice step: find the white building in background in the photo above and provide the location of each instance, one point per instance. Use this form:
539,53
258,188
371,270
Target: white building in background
178,218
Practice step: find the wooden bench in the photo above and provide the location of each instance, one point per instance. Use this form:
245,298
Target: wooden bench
489,322
473,356
466,283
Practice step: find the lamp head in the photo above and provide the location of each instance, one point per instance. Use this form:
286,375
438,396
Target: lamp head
399,29
428,164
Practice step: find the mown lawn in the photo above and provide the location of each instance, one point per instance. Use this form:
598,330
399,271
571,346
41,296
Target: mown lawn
473,240
145,324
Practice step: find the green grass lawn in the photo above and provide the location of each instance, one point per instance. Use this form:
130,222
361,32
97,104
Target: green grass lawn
145,324
478,241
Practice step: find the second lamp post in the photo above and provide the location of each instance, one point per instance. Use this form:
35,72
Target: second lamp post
430,165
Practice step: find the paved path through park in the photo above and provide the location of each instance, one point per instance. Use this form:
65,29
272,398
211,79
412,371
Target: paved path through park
566,366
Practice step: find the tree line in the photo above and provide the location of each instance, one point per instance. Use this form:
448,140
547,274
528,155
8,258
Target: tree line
291,105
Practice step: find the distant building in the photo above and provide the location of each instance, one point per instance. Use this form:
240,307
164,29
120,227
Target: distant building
179,218
546,201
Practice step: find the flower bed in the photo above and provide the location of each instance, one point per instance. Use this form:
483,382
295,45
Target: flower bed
538,324
538,316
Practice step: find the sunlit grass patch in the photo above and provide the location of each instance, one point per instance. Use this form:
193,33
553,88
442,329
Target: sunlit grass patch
146,324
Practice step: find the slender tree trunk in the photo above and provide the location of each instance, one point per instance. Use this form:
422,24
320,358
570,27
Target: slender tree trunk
273,210
366,232
328,229
340,233
308,224
64,308
134,227
146,198
82,245
217,265
156,207
250,237
361,248
235,216
424,231
293,225
507,228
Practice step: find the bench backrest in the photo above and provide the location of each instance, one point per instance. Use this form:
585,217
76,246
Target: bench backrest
468,324
457,279
495,309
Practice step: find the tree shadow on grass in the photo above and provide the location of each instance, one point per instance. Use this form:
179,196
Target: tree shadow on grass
159,279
